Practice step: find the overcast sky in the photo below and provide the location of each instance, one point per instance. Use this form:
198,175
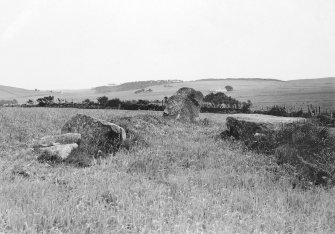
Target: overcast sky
53,44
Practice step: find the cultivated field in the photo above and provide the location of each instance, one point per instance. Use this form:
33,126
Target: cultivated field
187,180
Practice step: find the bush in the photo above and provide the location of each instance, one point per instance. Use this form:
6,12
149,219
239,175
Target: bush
277,111
115,102
325,120
102,101
217,99
142,102
229,88
45,101
246,106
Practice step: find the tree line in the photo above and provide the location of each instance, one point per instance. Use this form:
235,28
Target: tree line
213,102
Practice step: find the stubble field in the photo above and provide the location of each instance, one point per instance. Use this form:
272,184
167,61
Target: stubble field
187,180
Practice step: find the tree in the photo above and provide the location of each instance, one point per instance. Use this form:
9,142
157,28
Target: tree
229,88
30,102
115,102
45,101
102,100
86,101
246,106
217,99
209,97
142,102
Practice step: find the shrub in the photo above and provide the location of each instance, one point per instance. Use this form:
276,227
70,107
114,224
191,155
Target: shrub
217,99
325,120
102,100
45,101
115,102
277,111
246,106
229,88
142,102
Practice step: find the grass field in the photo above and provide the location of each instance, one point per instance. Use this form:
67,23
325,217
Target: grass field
294,94
186,181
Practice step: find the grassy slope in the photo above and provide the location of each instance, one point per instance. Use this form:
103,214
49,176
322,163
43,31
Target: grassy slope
191,181
22,95
262,93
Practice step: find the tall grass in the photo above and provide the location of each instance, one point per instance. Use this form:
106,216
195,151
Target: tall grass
307,148
186,180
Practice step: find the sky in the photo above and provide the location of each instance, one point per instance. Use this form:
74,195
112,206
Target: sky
75,44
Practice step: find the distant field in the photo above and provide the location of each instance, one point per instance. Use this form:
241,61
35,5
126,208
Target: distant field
187,180
320,92
294,94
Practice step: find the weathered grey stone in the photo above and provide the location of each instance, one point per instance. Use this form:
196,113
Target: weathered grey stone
67,138
240,125
184,105
56,153
95,134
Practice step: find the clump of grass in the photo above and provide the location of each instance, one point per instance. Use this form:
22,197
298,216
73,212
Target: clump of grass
138,128
308,148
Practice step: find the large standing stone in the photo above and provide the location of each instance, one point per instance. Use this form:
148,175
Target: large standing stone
57,153
184,105
243,125
95,134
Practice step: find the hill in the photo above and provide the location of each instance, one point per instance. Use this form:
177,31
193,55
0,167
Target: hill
9,93
262,92
227,79
133,85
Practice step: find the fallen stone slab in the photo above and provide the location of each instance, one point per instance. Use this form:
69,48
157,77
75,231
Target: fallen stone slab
242,125
184,105
67,138
95,134
56,153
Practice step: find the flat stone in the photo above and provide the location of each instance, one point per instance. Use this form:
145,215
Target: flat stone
56,153
240,125
67,138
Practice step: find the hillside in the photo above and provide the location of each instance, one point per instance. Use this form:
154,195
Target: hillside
133,85
9,93
262,92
